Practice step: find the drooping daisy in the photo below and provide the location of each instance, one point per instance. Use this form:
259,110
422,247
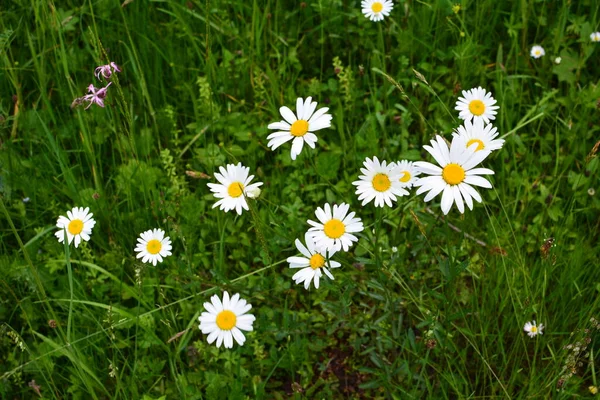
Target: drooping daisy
533,329
335,229
537,51
153,246
300,128
476,103
408,172
313,264
477,132
455,175
233,187
380,181
595,37
224,320
375,10
78,225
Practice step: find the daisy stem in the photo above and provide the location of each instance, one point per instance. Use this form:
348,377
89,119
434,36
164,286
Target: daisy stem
376,244
70,274
256,222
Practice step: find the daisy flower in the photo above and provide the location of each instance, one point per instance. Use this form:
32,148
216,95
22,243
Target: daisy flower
78,225
380,181
455,175
532,329
299,128
224,320
476,103
477,132
537,51
595,37
334,229
375,10
153,246
408,172
312,263
233,187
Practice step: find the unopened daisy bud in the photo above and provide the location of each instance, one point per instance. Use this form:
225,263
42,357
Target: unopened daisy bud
254,193
557,60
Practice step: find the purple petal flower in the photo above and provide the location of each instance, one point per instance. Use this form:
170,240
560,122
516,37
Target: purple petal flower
97,95
107,70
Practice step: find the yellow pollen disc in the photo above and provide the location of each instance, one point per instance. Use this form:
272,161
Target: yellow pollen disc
154,246
226,320
476,107
537,52
453,174
377,7
406,177
381,182
317,261
480,145
299,128
534,329
334,228
75,227
235,189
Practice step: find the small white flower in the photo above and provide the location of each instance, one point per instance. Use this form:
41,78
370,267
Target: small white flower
299,128
477,132
456,175
595,37
233,187
152,246
334,229
375,10
409,173
476,103
537,51
313,263
78,225
381,181
224,321
394,249
557,60
532,329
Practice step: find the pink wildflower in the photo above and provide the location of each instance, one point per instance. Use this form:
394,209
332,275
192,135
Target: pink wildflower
96,95
105,70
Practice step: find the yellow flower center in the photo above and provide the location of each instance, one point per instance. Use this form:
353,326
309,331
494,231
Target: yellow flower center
480,145
154,246
453,174
381,182
534,329
406,177
235,189
317,261
476,107
75,227
377,7
334,228
299,128
226,320
537,52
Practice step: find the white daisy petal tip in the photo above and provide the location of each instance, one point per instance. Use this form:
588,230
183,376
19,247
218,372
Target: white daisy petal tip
299,127
77,225
153,246
225,319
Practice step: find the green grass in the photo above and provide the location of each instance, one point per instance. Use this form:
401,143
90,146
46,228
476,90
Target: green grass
440,318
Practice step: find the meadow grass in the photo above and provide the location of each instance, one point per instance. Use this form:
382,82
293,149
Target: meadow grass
424,306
